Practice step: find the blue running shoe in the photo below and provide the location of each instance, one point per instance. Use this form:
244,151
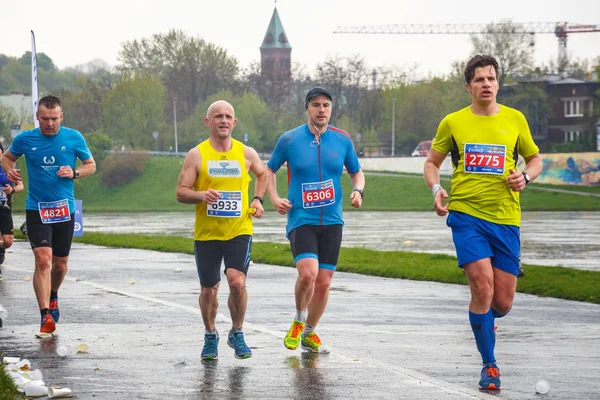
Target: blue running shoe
54,311
210,351
238,344
490,377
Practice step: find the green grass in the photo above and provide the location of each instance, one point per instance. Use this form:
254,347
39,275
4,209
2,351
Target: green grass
155,191
558,282
8,390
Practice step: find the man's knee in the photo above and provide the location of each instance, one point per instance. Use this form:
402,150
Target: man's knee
323,283
208,293
237,286
43,258
7,241
501,306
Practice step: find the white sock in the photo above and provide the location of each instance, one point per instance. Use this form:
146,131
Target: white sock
308,329
301,316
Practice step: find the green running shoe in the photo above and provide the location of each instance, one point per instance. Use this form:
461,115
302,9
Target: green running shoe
292,339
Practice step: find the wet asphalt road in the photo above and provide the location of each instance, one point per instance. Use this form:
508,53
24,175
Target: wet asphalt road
390,338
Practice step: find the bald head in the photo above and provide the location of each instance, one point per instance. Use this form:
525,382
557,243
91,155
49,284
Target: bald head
220,119
219,105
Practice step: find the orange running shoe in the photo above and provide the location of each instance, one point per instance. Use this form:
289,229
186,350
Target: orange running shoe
47,325
292,339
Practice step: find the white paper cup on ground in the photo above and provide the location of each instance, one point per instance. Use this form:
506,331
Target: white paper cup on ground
221,318
36,375
59,392
62,350
10,360
542,386
180,358
23,364
33,390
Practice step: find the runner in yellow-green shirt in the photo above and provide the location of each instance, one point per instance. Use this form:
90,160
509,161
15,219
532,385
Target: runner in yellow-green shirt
484,140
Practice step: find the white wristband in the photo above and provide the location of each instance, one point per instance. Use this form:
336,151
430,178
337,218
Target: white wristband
435,188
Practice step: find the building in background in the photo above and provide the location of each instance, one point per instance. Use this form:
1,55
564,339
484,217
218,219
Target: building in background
276,51
570,123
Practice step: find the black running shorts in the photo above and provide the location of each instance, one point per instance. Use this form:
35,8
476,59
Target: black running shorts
209,254
320,242
6,221
58,236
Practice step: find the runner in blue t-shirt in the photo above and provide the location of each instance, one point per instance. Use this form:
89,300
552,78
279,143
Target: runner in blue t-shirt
51,153
7,188
316,155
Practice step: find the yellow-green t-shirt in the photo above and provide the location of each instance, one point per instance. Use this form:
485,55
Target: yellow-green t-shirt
483,149
226,173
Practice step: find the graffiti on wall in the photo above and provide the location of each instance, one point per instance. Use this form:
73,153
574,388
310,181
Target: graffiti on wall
571,169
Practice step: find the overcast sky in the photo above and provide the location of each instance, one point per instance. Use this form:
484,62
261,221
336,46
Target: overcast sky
75,32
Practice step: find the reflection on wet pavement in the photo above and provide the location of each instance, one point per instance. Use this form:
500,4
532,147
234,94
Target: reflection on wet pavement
308,378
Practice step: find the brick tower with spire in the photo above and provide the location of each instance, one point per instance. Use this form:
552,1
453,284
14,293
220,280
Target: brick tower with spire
276,52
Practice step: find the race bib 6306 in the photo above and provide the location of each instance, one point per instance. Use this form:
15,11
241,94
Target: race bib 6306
318,194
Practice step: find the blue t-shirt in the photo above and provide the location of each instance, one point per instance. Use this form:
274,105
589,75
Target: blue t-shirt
314,171
44,156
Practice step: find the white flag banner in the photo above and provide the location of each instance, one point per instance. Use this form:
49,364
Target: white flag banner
34,82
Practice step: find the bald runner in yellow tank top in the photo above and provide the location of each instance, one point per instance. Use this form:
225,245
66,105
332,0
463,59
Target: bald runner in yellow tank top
226,173
215,178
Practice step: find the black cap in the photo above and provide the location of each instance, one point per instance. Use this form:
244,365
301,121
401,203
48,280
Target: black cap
314,92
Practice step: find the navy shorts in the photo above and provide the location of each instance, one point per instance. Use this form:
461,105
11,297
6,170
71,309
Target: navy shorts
210,253
319,242
58,236
475,239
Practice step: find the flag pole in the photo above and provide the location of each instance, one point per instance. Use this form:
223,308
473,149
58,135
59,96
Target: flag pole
34,82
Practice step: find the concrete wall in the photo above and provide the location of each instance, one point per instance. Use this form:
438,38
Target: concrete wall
412,165
559,169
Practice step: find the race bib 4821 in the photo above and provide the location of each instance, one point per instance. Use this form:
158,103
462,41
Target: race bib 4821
52,212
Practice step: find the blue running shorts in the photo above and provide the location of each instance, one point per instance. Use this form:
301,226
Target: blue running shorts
475,238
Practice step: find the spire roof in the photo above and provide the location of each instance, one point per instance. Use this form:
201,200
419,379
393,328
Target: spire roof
275,38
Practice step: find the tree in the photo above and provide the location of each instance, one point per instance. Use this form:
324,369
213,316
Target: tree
99,145
83,105
41,59
133,109
190,68
7,118
509,44
346,78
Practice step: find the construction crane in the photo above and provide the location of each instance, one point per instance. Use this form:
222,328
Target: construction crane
560,29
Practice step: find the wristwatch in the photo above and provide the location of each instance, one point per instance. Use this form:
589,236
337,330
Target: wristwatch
262,200
527,178
75,173
360,192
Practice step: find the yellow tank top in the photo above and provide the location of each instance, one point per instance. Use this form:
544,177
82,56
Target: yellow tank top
226,173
